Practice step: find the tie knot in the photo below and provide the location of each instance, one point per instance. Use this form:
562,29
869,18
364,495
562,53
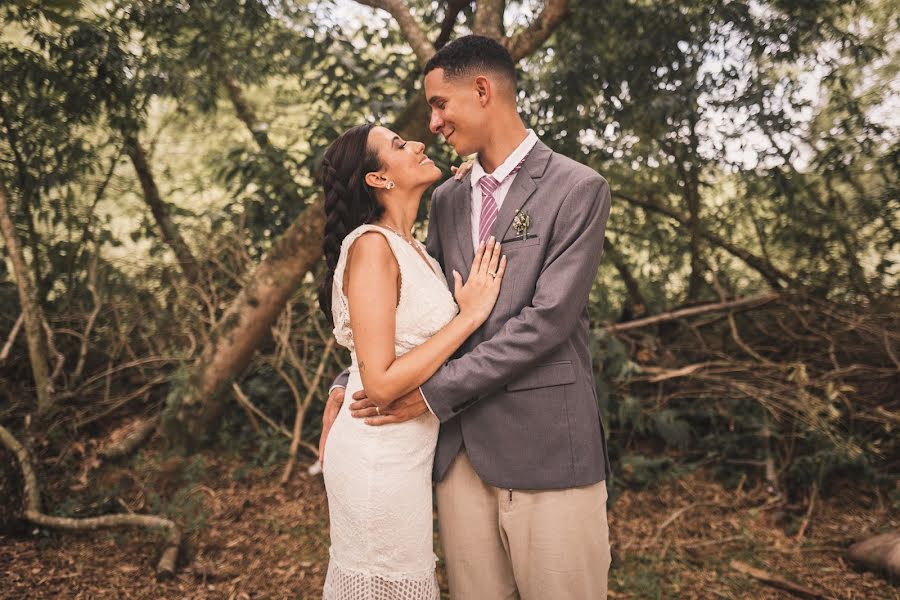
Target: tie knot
488,183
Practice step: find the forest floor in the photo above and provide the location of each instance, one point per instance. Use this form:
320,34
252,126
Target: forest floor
255,539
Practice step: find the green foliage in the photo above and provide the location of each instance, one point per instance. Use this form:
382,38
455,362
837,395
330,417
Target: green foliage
711,111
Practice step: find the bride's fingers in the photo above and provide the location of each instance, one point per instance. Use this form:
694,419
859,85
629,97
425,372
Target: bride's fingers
479,254
501,269
489,254
495,259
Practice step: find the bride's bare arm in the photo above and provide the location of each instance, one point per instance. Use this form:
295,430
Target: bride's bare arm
372,285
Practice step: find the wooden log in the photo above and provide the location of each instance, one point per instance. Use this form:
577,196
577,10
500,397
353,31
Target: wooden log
879,553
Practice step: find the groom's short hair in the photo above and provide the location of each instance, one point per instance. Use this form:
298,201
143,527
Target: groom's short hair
472,53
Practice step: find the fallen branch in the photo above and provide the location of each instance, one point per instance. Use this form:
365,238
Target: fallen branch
131,442
879,553
778,581
692,311
32,513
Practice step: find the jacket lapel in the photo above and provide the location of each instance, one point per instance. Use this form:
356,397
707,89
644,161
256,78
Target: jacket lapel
462,211
523,186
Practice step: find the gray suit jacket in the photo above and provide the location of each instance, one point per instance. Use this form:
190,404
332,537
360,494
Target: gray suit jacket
519,394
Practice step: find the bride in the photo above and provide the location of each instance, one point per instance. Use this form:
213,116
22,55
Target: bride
390,305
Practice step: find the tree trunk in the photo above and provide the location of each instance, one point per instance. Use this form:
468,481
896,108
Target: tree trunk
30,308
193,409
489,18
26,201
167,229
692,195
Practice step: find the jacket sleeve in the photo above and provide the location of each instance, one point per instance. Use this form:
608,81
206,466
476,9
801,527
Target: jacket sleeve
561,294
340,380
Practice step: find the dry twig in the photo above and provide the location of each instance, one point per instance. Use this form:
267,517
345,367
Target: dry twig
301,412
778,581
4,354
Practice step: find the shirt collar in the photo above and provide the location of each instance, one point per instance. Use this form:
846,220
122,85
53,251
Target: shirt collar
501,172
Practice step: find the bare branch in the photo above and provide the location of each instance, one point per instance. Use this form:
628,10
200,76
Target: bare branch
4,354
409,25
58,357
777,581
92,288
454,7
302,407
770,272
166,565
691,311
245,401
530,39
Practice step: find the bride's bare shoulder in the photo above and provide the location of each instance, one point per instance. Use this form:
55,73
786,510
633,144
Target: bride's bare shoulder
371,250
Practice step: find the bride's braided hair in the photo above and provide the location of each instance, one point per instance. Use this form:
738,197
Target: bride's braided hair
349,201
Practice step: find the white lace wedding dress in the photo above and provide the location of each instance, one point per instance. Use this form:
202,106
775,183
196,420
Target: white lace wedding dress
378,479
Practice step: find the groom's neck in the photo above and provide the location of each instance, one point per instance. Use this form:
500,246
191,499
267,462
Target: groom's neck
504,136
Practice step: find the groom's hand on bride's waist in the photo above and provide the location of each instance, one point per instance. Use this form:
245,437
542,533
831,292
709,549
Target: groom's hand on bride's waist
402,409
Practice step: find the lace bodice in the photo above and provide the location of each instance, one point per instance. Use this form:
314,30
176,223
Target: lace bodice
425,305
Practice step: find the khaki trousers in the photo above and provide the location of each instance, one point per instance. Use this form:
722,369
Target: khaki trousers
523,544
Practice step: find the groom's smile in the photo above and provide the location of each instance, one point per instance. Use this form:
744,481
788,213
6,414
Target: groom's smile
453,105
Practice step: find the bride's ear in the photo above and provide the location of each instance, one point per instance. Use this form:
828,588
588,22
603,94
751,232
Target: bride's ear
376,180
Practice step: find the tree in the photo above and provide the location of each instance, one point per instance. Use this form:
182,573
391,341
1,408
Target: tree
31,310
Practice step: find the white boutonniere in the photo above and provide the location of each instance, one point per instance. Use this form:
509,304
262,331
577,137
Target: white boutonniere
521,223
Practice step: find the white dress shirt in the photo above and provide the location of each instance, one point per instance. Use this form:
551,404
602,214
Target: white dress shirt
501,174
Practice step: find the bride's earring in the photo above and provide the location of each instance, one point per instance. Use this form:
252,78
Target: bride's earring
389,185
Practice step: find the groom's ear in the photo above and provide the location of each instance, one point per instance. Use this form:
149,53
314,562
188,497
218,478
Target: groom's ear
483,89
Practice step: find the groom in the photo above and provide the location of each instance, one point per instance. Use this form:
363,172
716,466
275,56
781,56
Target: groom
521,460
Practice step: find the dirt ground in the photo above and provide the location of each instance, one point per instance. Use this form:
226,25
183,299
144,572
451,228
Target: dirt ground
255,539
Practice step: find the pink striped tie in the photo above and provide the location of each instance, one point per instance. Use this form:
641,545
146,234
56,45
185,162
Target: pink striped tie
488,205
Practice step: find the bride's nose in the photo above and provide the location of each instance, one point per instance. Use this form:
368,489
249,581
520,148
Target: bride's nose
420,147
